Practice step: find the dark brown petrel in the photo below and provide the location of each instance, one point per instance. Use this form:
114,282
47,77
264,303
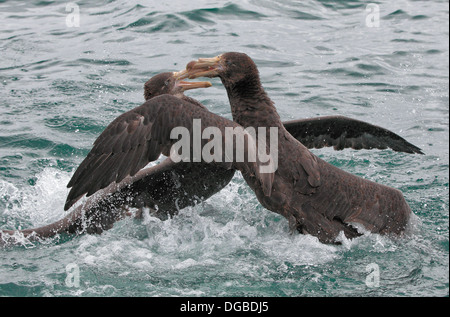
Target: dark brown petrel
317,198
164,188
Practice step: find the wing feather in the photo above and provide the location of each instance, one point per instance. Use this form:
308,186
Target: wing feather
342,132
140,136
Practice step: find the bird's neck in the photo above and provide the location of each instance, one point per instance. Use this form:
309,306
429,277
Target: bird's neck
251,106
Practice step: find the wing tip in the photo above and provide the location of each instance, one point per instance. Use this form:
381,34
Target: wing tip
71,200
68,204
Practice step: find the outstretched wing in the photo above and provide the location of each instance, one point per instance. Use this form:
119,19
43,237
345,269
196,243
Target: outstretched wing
342,132
139,136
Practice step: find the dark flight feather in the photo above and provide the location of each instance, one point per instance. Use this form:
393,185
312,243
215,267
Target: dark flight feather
342,132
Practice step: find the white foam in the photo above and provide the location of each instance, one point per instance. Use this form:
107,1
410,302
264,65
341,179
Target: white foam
39,204
185,264
223,228
229,229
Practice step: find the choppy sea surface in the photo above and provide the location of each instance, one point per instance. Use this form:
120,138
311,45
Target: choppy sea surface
60,85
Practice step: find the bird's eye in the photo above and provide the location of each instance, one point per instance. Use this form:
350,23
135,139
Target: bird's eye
166,83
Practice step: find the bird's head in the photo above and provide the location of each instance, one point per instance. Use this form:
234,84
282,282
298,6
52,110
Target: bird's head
171,83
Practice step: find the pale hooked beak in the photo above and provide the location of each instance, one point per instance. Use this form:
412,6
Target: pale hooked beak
186,85
204,67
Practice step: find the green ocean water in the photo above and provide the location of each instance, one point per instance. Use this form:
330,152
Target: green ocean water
60,86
